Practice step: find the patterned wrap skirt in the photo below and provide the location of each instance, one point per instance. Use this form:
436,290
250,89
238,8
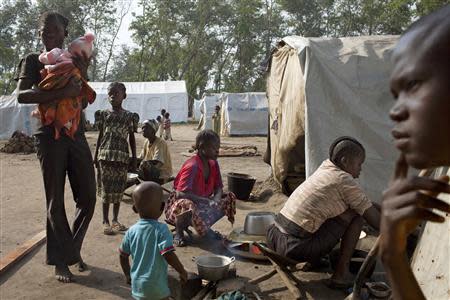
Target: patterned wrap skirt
204,215
111,181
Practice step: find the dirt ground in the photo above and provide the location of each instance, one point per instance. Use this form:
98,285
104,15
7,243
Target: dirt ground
22,215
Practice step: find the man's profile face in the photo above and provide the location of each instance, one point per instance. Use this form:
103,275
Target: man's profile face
148,132
420,82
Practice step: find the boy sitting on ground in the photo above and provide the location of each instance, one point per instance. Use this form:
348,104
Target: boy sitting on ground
327,207
149,243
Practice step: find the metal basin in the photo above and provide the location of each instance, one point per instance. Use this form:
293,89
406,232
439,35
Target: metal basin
213,267
257,223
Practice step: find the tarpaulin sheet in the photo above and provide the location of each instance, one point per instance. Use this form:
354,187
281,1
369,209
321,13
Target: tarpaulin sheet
341,87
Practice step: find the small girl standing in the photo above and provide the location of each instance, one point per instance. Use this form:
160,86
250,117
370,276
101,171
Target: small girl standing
167,125
111,154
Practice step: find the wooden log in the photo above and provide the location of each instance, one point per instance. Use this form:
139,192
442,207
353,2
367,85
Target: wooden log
263,277
290,284
368,263
204,291
210,295
17,254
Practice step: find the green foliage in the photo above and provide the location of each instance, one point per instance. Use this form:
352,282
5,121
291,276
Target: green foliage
213,45
18,35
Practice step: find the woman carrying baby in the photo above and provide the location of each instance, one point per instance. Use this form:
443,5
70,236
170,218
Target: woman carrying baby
58,157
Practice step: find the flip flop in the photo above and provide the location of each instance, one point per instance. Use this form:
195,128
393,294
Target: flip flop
179,242
107,230
118,227
337,285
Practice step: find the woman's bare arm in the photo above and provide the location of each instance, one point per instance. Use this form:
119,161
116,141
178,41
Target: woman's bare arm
218,194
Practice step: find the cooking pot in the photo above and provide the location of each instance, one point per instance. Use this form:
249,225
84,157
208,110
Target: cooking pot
241,185
213,267
257,223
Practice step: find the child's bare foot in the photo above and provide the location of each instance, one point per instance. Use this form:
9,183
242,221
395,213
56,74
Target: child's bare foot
82,266
63,274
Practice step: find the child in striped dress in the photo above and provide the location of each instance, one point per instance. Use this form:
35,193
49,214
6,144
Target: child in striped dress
167,125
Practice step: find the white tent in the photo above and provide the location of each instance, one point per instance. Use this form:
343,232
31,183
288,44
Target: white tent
145,98
244,114
15,116
323,88
196,113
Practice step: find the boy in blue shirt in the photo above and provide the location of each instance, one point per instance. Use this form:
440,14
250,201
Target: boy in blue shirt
150,245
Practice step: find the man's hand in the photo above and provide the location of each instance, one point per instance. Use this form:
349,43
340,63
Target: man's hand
82,63
128,279
406,203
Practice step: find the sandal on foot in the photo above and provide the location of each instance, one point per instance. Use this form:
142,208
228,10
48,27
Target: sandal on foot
179,242
107,230
118,227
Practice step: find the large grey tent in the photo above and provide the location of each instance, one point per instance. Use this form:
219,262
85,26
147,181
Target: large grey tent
323,88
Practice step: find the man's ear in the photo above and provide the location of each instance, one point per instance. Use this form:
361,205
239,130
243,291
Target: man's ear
343,161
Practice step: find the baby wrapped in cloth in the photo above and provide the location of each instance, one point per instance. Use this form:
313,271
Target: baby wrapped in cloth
59,69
